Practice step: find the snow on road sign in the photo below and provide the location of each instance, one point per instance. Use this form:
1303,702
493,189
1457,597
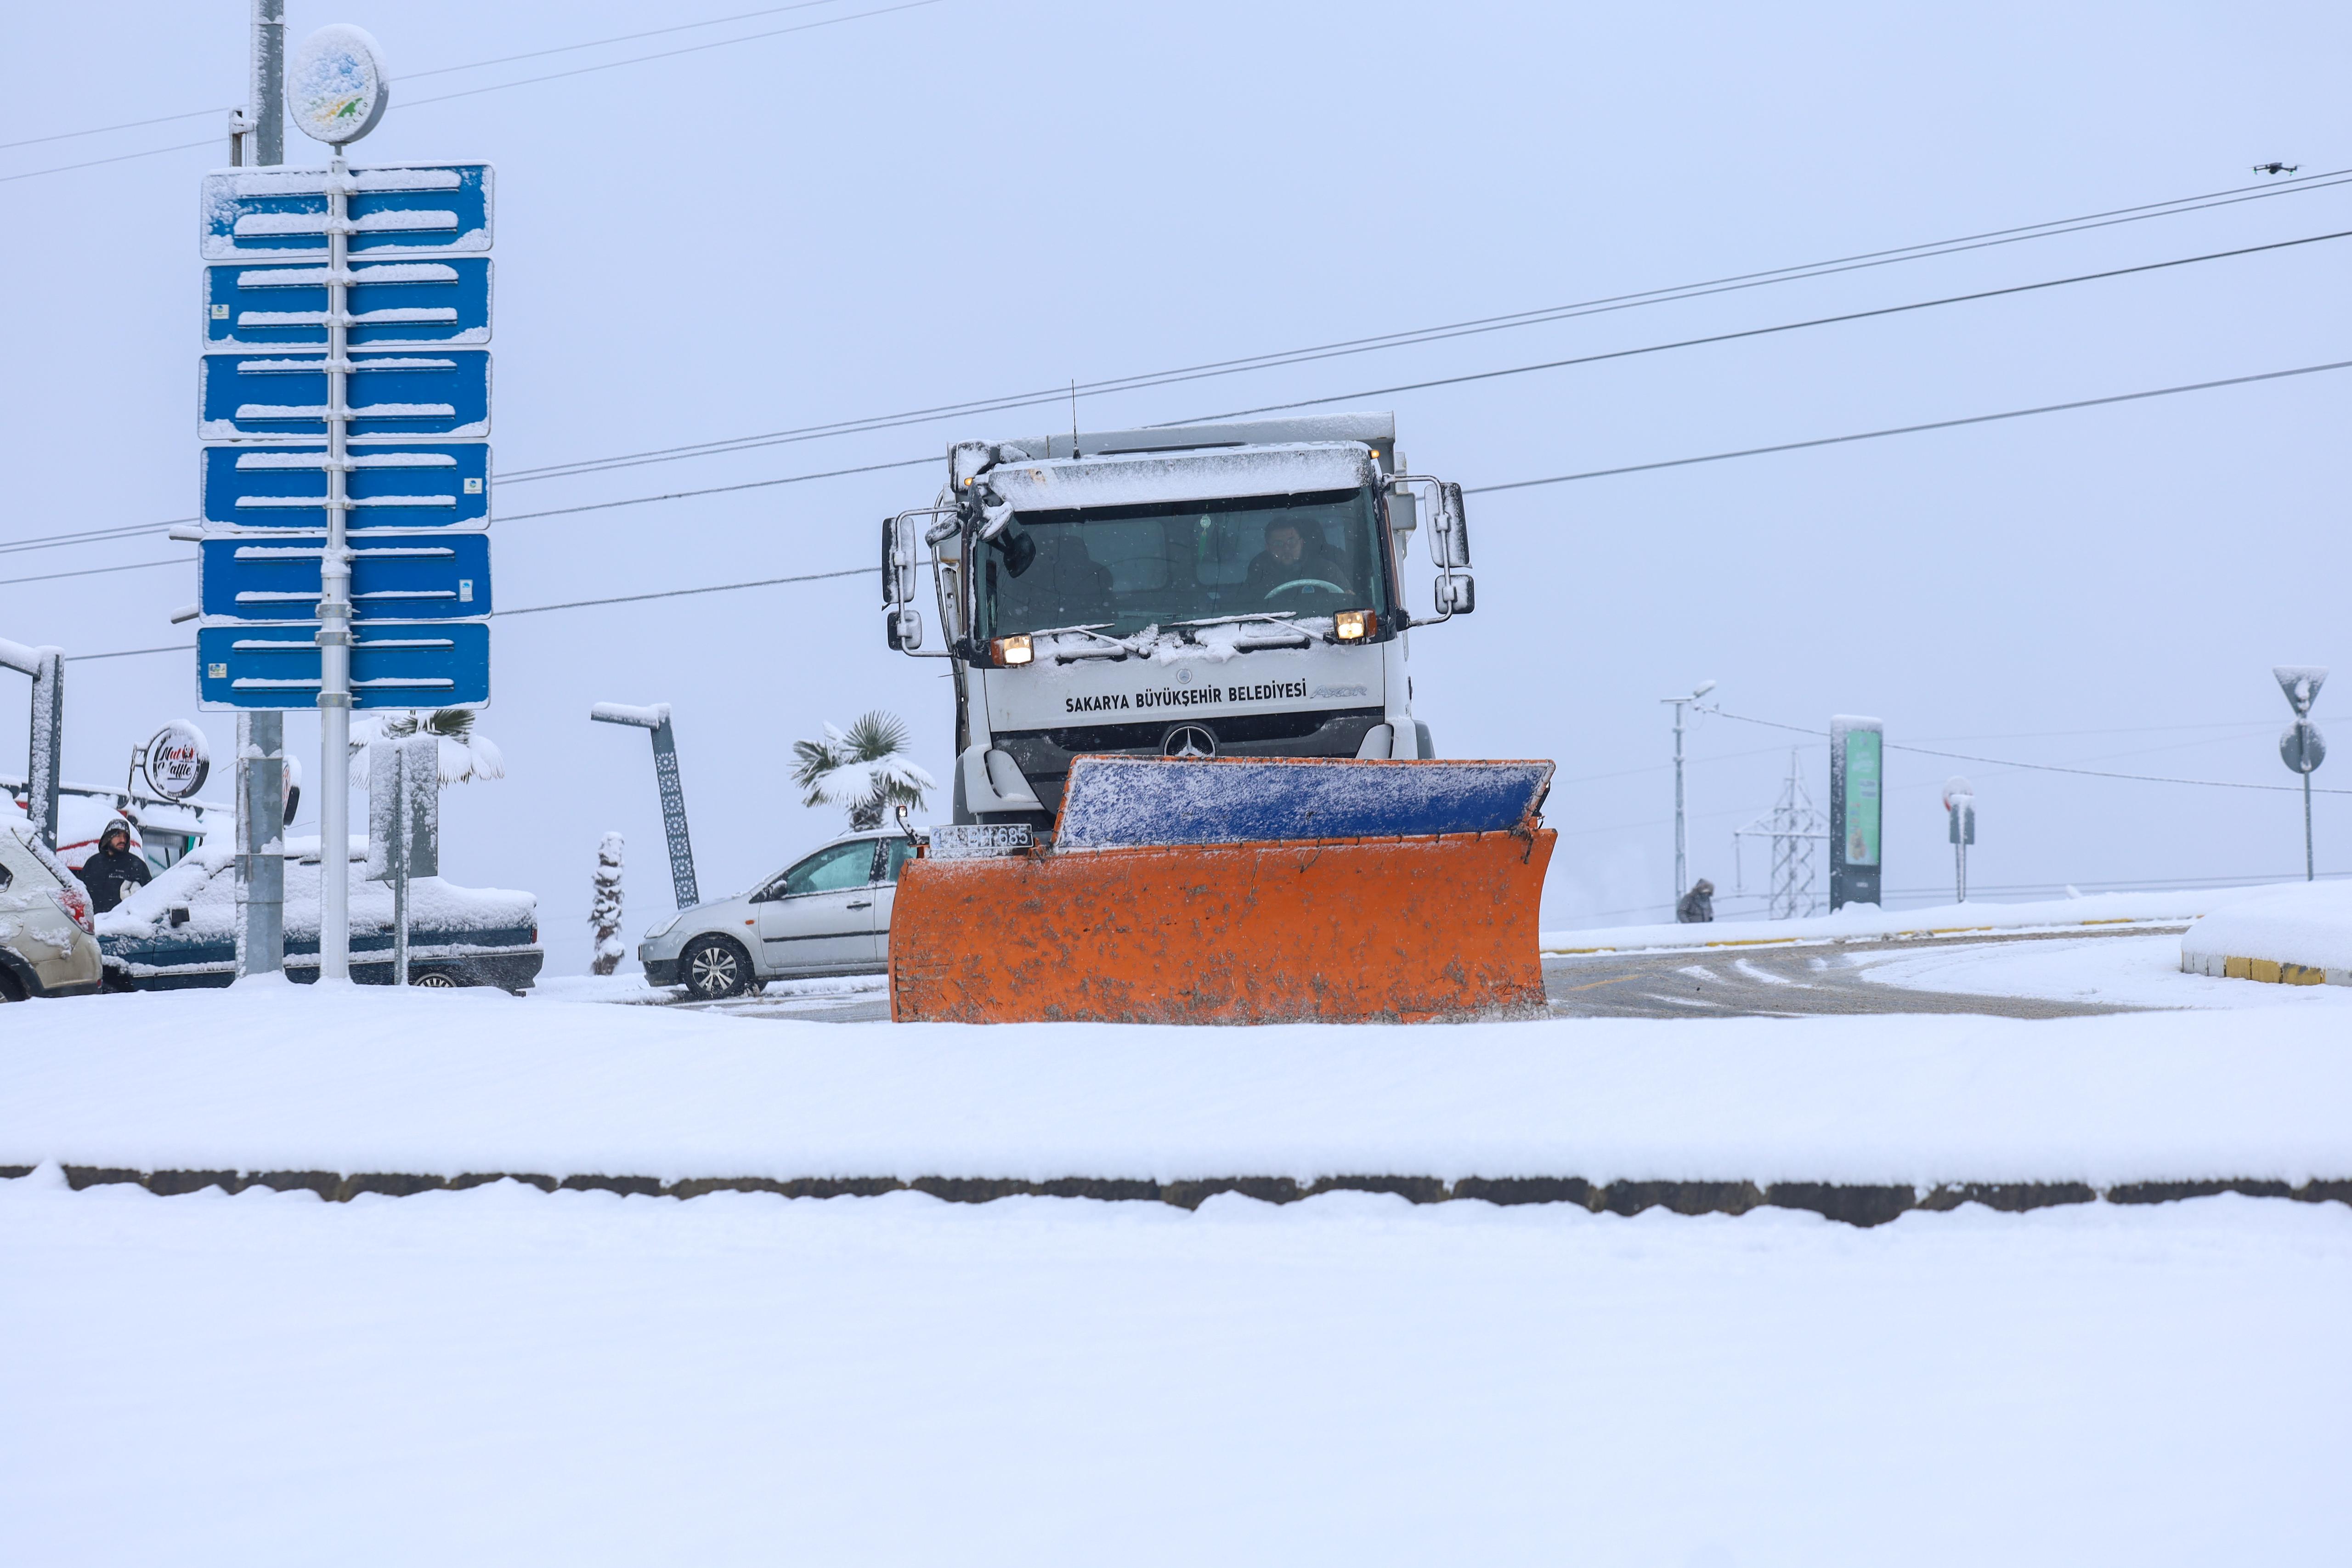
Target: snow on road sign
417,577
404,485
394,663
391,304
257,396
280,215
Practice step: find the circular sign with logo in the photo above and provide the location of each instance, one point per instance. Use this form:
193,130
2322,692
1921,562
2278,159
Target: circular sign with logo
179,759
1188,742
336,89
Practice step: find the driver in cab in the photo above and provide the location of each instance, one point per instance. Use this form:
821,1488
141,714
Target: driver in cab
1294,553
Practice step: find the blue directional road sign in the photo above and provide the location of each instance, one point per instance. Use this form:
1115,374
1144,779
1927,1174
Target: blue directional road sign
280,215
412,576
392,304
257,396
394,663
441,485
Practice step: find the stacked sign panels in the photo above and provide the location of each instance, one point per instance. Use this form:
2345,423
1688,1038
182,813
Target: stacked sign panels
415,419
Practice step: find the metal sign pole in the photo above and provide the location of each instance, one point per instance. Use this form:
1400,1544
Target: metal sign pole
2303,748
335,609
402,829
47,666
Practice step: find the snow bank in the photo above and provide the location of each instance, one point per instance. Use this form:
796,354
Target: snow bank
1870,921
495,1376
317,1078
2301,933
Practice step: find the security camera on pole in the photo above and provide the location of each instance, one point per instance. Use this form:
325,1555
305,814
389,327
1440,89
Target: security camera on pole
1960,805
312,276
2302,748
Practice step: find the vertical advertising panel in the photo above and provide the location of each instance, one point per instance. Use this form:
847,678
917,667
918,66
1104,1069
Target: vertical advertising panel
1857,788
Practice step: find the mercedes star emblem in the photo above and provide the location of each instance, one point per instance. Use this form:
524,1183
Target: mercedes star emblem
1188,742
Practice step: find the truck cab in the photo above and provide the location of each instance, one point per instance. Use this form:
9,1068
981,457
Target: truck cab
1196,591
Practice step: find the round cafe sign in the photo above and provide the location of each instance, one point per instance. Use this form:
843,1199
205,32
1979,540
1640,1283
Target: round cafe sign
336,89
179,759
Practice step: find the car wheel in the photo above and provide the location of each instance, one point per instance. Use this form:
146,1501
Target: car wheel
435,980
10,990
714,967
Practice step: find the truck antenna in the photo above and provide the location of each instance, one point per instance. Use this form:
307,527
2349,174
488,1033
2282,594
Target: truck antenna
1073,420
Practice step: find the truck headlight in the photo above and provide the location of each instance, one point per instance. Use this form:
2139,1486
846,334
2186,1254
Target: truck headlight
1354,626
1012,652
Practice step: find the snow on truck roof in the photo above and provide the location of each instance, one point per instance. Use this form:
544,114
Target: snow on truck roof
1375,429
1059,484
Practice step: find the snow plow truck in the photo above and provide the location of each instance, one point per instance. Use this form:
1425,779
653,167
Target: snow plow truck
1190,786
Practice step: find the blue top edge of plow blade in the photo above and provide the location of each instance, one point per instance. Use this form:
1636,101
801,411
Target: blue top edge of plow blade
1128,802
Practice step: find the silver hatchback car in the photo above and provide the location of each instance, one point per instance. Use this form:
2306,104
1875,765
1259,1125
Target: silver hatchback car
46,946
828,913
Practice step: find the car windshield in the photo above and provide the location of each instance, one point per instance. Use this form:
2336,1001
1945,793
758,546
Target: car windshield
1120,569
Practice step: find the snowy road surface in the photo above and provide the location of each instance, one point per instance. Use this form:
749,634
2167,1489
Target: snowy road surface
1796,981
500,1376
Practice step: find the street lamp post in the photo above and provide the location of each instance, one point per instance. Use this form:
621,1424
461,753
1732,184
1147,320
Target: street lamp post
1682,857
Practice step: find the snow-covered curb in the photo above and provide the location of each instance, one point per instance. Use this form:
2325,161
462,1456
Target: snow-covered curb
2300,934
291,1078
1856,920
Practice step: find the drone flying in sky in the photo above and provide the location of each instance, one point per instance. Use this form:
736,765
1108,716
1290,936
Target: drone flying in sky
2276,168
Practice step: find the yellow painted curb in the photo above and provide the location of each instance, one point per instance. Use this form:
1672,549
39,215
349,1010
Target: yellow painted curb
2272,971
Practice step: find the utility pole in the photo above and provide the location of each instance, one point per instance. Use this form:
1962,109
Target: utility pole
2302,748
261,735
267,127
1682,857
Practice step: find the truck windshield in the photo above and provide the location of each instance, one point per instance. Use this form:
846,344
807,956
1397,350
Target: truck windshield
1121,569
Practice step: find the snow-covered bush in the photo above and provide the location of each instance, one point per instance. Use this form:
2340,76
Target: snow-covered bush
605,908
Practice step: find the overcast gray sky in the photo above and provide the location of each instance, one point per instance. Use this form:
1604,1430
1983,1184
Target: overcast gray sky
976,198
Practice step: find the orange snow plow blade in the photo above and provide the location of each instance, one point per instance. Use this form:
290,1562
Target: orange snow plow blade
1101,927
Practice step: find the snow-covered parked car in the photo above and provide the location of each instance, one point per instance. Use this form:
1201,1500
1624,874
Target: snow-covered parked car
828,913
181,929
46,946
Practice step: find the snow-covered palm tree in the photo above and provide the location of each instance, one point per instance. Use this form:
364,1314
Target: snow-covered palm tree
465,754
865,768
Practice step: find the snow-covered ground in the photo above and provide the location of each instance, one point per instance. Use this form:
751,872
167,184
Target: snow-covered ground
2127,971
2307,924
500,1376
1870,921
263,1077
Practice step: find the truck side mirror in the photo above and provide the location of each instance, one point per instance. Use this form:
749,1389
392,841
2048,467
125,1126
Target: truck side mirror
1449,540
1457,594
904,629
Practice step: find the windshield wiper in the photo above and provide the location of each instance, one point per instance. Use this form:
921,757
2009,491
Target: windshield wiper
1094,630
1233,620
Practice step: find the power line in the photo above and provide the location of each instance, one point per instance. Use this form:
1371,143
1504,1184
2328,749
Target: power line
1780,327
494,86
687,592
559,471
2035,767
108,535
91,572
568,605
436,70
1405,339
716,490
1911,430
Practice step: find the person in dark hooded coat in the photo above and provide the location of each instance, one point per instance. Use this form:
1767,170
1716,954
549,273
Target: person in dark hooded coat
113,869
1697,907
